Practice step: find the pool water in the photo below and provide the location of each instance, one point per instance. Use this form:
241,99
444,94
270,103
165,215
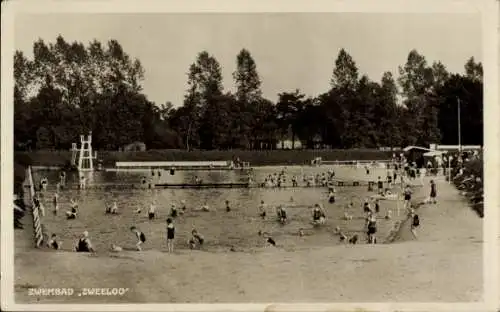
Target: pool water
221,229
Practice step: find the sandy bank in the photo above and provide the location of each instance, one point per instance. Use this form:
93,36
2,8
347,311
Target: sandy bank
444,264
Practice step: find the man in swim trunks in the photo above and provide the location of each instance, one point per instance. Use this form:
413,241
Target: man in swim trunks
170,235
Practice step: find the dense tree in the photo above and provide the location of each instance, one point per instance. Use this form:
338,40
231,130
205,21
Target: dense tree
248,95
67,89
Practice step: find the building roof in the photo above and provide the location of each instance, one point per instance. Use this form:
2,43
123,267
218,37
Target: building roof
411,147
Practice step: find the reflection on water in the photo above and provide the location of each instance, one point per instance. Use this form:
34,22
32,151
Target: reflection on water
221,229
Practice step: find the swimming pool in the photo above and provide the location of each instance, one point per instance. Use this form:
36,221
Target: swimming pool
221,229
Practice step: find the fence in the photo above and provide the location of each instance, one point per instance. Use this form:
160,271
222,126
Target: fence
37,224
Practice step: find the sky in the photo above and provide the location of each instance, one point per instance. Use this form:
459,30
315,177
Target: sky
291,50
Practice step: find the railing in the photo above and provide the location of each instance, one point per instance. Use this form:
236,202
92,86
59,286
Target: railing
318,162
37,224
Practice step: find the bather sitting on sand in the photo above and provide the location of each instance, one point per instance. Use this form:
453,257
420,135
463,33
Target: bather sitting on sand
269,241
115,248
387,195
196,240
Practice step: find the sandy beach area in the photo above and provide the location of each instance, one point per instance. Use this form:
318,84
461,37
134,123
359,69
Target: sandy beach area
444,264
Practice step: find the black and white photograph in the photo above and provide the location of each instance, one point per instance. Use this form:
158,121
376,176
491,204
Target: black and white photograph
232,157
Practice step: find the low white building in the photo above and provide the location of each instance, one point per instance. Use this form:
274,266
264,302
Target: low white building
288,144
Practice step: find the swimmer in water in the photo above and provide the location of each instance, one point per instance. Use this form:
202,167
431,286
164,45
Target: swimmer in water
407,197
151,211
72,214
183,207
372,228
318,215
331,197
380,185
114,208
269,241
55,201
377,206
282,215
205,207
173,211
262,209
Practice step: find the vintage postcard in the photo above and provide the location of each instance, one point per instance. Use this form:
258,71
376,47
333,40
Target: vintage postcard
250,156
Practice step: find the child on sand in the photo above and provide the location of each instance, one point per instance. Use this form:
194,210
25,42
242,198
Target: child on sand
53,243
415,223
141,237
228,208
170,235
366,206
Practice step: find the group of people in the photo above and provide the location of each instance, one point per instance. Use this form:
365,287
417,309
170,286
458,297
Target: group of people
279,179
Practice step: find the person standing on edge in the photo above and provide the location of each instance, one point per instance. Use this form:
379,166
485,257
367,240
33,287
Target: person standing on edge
407,197
380,185
433,194
170,235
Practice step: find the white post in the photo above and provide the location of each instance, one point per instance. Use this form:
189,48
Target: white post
449,169
397,203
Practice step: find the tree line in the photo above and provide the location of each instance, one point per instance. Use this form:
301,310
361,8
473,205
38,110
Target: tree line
68,89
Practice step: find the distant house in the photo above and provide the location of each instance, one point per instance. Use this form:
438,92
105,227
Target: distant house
288,144
135,147
416,154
